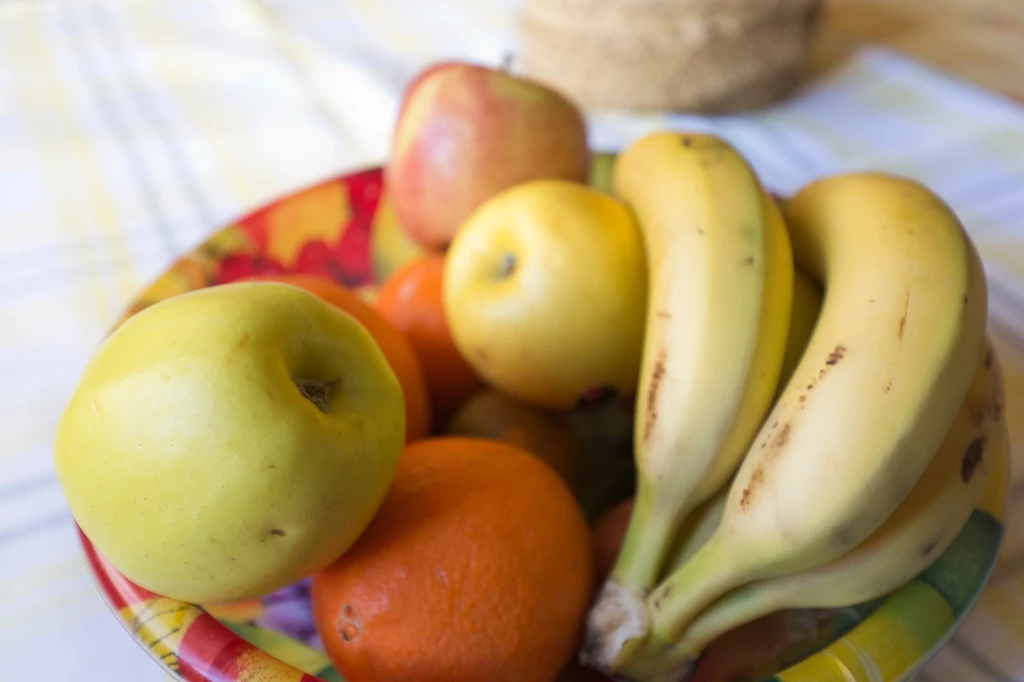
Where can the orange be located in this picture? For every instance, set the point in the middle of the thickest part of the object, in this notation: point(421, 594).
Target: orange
point(478, 566)
point(411, 300)
point(392, 343)
point(494, 415)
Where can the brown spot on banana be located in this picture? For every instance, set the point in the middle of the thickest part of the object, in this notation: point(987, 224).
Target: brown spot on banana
point(651, 413)
point(778, 438)
point(903, 319)
point(972, 458)
point(782, 437)
point(768, 438)
point(836, 355)
point(756, 481)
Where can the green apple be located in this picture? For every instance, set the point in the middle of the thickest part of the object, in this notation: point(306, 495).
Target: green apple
point(227, 442)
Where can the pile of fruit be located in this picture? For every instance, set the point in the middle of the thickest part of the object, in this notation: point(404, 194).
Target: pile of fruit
point(590, 425)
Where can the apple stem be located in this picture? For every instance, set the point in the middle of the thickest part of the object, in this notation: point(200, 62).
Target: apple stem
point(506, 61)
point(316, 392)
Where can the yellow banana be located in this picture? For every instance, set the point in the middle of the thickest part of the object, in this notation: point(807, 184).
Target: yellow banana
point(702, 522)
point(721, 285)
point(917, 533)
point(721, 273)
point(888, 364)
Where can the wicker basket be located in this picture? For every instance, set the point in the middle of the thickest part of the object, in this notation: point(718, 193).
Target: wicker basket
point(699, 56)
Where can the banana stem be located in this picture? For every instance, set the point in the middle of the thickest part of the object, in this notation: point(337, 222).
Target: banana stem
point(673, 660)
point(741, 606)
point(710, 573)
point(650, 537)
point(620, 637)
point(660, 665)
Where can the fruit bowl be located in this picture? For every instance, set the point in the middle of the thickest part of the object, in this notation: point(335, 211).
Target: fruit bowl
point(343, 229)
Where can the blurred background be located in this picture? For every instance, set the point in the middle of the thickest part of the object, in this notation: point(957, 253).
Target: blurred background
point(130, 130)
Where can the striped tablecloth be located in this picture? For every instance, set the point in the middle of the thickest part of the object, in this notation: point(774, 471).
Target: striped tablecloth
point(129, 130)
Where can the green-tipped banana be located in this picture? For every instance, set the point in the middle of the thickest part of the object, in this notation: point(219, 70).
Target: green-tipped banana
point(721, 274)
point(917, 533)
point(887, 367)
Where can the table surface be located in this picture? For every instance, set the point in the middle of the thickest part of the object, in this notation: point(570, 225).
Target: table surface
point(127, 132)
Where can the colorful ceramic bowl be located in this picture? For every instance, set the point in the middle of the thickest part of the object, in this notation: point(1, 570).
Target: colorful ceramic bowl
point(343, 229)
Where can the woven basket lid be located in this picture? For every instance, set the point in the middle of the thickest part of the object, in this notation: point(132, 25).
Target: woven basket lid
point(701, 56)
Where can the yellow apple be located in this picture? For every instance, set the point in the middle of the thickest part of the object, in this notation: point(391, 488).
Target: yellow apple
point(545, 290)
point(227, 442)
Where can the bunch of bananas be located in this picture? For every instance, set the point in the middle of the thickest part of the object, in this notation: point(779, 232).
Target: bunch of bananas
point(819, 405)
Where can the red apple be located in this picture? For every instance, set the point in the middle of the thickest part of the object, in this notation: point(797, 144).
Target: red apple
point(464, 133)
